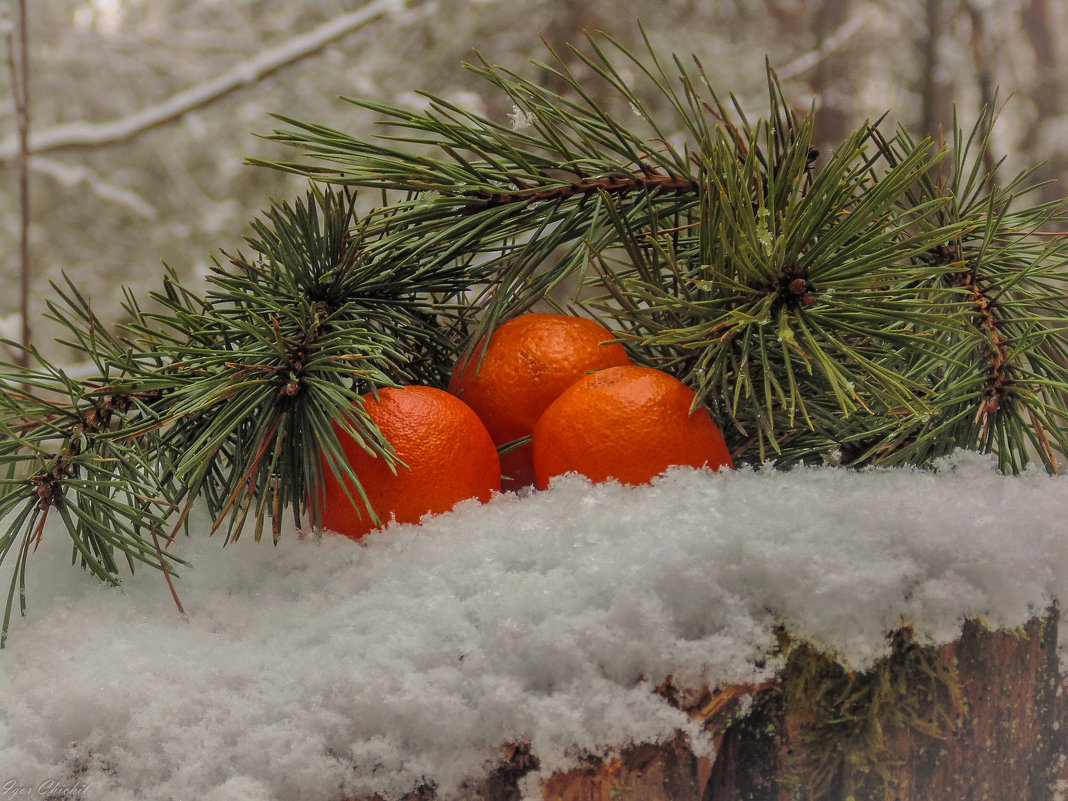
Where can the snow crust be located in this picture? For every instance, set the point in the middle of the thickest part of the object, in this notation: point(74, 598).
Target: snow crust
point(323, 669)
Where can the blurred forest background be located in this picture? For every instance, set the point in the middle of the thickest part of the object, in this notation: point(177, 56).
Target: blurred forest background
point(142, 112)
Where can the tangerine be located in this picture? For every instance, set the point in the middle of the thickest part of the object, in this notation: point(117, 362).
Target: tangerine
point(447, 454)
point(627, 423)
point(529, 361)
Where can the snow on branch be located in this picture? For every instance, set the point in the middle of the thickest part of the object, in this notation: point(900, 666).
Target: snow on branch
point(72, 175)
point(87, 134)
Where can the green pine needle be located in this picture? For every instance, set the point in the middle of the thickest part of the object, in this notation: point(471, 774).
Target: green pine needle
point(886, 303)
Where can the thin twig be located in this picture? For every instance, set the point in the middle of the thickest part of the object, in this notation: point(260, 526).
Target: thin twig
point(997, 388)
point(19, 71)
point(1044, 442)
point(829, 45)
point(656, 182)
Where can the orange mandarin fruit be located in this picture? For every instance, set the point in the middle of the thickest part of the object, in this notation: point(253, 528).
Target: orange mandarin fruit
point(627, 423)
point(447, 454)
point(529, 361)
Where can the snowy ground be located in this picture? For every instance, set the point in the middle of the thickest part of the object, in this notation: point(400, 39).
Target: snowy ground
point(323, 668)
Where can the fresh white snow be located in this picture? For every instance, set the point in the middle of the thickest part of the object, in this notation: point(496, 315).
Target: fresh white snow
point(323, 669)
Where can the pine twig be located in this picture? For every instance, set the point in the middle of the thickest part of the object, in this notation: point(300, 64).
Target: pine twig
point(167, 575)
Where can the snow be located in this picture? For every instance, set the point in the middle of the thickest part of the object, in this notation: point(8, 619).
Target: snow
point(323, 669)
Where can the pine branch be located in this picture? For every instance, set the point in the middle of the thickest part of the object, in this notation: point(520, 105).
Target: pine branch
point(1004, 388)
point(235, 399)
point(526, 197)
point(792, 298)
point(68, 457)
point(784, 301)
point(886, 304)
point(287, 343)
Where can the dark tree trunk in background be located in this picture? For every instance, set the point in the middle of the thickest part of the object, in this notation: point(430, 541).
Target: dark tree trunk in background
point(984, 57)
point(834, 81)
point(568, 25)
point(935, 117)
point(1040, 27)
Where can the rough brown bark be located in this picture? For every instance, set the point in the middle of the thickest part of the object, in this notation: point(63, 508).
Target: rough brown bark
point(1004, 744)
point(749, 763)
point(664, 772)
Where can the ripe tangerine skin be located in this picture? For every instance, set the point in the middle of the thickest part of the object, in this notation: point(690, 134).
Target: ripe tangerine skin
point(450, 457)
point(530, 360)
point(628, 423)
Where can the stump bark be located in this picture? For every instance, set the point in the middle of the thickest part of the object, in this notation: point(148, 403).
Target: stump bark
point(1004, 743)
point(981, 719)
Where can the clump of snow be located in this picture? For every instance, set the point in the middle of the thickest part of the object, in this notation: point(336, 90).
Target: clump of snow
point(323, 669)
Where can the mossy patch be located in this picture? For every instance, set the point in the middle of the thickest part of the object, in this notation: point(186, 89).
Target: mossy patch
point(840, 720)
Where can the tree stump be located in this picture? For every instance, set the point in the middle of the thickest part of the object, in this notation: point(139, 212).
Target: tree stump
point(979, 719)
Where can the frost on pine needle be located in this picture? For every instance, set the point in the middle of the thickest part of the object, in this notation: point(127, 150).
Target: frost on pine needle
point(520, 119)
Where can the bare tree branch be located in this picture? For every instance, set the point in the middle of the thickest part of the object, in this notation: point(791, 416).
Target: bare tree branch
point(85, 134)
point(827, 46)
